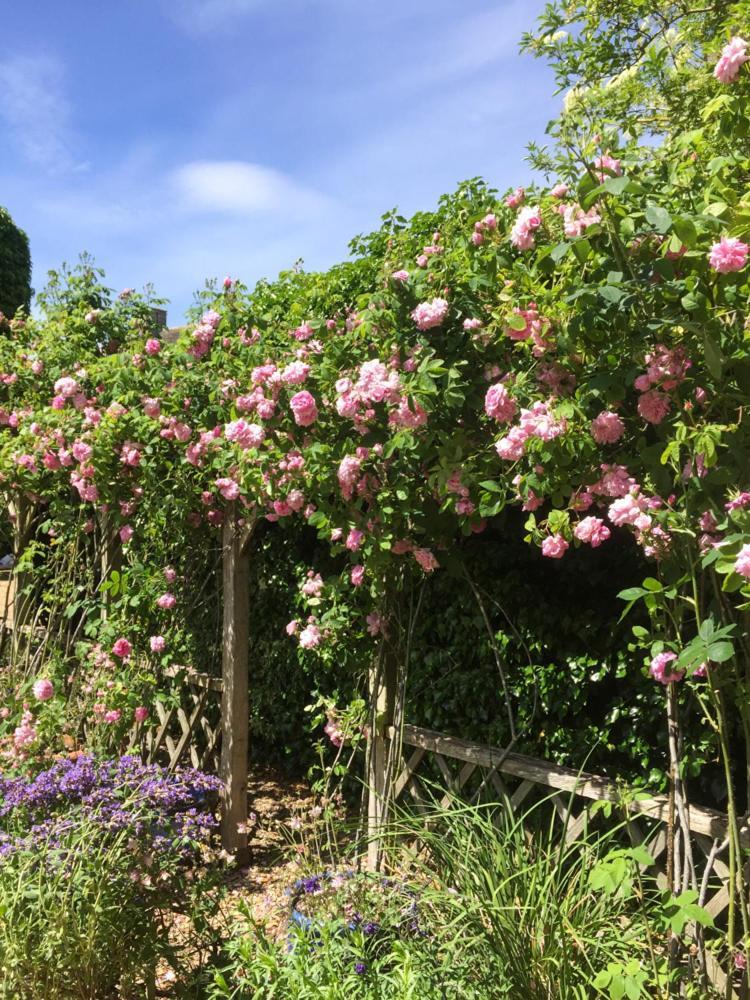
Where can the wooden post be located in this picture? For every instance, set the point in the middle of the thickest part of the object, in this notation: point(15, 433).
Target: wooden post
point(235, 709)
point(382, 687)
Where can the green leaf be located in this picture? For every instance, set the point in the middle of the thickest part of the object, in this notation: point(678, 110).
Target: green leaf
point(714, 357)
point(615, 185)
point(686, 231)
point(558, 252)
point(582, 249)
point(516, 322)
point(659, 218)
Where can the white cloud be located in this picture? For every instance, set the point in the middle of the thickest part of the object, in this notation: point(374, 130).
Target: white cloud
point(242, 188)
point(35, 109)
point(201, 16)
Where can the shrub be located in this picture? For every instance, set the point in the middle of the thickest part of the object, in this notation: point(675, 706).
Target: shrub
point(15, 266)
point(94, 856)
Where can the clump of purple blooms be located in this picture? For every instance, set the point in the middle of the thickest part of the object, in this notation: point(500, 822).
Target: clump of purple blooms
point(165, 812)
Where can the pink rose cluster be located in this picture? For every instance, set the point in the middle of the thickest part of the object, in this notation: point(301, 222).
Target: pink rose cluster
point(728, 255)
point(428, 315)
point(536, 422)
point(244, 434)
point(528, 220)
point(536, 329)
point(666, 369)
point(576, 221)
point(733, 57)
point(204, 333)
point(486, 225)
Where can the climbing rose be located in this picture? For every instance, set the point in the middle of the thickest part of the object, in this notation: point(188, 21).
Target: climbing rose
point(244, 434)
point(166, 601)
point(113, 715)
point(426, 560)
point(400, 275)
point(309, 637)
point(126, 533)
point(516, 198)
point(559, 190)
point(498, 403)
point(742, 563)
point(141, 713)
point(607, 428)
point(733, 55)
point(528, 220)
point(729, 254)
point(304, 409)
point(43, 689)
point(430, 314)
point(592, 530)
point(157, 643)
point(357, 575)
point(660, 671)
point(554, 547)
point(229, 488)
point(153, 346)
point(653, 406)
point(122, 648)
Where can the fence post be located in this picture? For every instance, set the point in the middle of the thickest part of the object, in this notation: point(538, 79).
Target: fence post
point(382, 693)
point(235, 710)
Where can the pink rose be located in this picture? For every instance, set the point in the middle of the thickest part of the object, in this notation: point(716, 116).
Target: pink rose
point(733, 56)
point(426, 560)
point(660, 670)
point(166, 601)
point(229, 488)
point(498, 403)
point(607, 428)
point(43, 689)
point(554, 547)
point(157, 643)
point(430, 314)
point(742, 563)
point(140, 714)
point(122, 648)
point(653, 406)
point(153, 346)
point(304, 409)
point(357, 575)
point(729, 254)
point(592, 530)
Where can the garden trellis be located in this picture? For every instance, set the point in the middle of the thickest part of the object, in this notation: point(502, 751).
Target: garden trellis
point(577, 351)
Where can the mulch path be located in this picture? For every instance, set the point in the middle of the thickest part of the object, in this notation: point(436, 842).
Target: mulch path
point(275, 861)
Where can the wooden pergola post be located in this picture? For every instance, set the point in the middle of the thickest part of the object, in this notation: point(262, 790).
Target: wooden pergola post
point(382, 693)
point(235, 708)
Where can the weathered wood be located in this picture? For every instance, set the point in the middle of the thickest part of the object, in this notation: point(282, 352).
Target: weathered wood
point(235, 709)
point(382, 693)
point(709, 822)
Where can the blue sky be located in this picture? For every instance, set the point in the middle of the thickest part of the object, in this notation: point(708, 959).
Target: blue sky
point(182, 139)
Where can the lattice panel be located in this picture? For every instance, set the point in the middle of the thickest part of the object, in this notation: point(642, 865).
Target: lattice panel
point(189, 731)
point(432, 761)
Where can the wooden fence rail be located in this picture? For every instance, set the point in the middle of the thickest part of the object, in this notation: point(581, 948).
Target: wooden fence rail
point(478, 771)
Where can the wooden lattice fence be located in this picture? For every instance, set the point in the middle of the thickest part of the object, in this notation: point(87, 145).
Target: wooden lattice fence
point(479, 772)
point(189, 729)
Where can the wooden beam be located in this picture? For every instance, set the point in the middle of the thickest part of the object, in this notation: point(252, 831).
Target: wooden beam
point(235, 708)
point(709, 822)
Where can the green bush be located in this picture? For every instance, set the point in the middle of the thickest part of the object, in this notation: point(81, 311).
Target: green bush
point(15, 266)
